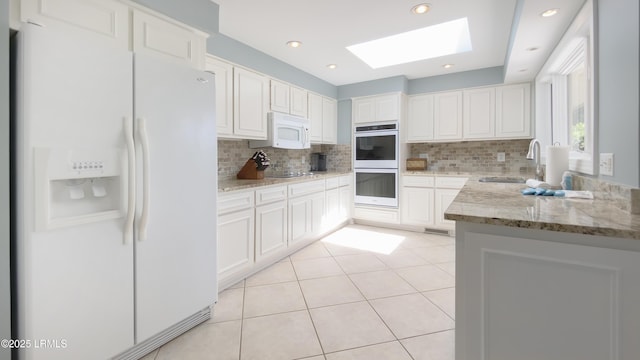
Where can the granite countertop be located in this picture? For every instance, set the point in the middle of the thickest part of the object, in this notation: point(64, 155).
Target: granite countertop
point(232, 184)
point(503, 204)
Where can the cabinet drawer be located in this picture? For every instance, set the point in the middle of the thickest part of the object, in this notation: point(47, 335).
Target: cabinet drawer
point(333, 183)
point(232, 201)
point(417, 181)
point(381, 215)
point(450, 182)
point(309, 187)
point(270, 194)
point(346, 180)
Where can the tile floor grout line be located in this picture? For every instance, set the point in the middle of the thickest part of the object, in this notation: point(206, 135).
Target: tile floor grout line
point(309, 312)
point(333, 256)
point(244, 294)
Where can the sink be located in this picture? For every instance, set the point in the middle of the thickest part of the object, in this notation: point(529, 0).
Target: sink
point(502, 179)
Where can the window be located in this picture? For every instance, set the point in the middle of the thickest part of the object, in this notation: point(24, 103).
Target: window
point(565, 87)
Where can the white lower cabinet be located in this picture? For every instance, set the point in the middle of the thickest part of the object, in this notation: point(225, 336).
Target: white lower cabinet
point(305, 217)
point(424, 199)
point(259, 227)
point(299, 219)
point(417, 206)
point(235, 242)
point(271, 229)
point(346, 202)
point(338, 202)
point(444, 198)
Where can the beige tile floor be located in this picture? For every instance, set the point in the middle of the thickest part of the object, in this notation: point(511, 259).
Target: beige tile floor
point(359, 293)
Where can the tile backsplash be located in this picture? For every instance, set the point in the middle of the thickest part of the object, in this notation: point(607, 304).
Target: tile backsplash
point(233, 154)
point(476, 156)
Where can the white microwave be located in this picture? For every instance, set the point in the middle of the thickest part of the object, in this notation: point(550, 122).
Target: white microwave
point(285, 132)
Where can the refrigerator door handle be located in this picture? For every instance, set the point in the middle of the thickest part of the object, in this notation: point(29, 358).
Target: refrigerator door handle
point(131, 192)
point(144, 141)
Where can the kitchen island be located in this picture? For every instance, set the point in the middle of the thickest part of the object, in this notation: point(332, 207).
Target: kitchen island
point(544, 277)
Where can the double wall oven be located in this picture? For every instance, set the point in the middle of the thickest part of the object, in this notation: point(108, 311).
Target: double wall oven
point(376, 164)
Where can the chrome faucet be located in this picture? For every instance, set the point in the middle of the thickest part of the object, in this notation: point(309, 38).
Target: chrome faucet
point(534, 154)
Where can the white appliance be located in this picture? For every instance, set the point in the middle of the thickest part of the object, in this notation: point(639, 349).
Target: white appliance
point(376, 187)
point(376, 146)
point(375, 163)
point(285, 132)
point(115, 199)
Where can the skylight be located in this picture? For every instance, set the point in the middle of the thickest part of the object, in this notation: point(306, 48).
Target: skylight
point(447, 38)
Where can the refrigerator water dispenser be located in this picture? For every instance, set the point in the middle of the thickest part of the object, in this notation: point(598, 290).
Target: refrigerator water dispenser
point(77, 186)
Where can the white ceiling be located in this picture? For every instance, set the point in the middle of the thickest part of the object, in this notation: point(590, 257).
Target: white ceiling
point(327, 27)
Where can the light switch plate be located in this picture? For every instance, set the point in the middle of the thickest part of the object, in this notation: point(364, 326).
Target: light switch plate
point(501, 157)
point(606, 164)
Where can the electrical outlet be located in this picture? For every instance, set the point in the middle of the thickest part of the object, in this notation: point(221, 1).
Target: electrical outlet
point(424, 156)
point(500, 157)
point(606, 164)
point(303, 159)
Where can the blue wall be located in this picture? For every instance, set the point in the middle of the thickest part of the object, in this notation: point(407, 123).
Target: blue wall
point(5, 279)
point(619, 87)
point(373, 87)
point(201, 14)
point(465, 79)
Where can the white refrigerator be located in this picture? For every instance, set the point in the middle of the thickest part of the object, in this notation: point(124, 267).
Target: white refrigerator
point(115, 197)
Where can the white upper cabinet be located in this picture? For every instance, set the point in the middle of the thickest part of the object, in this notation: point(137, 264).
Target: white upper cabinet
point(323, 115)
point(329, 121)
point(513, 111)
point(108, 19)
point(288, 99)
point(498, 112)
point(250, 104)
point(279, 96)
point(224, 94)
point(315, 117)
point(156, 36)
point(447, 116)
point(125, 24)
point(376, 108)
point(420, 118)
point(388, 107)
point(298, 101)
point(479, 113)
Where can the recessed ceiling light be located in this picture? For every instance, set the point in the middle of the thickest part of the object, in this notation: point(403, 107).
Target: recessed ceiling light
point(447, 66)
point(451, 37)
point(332, 66)
point(533, 48)
point(549, 12)
point(421, 9)
point(294, 43)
